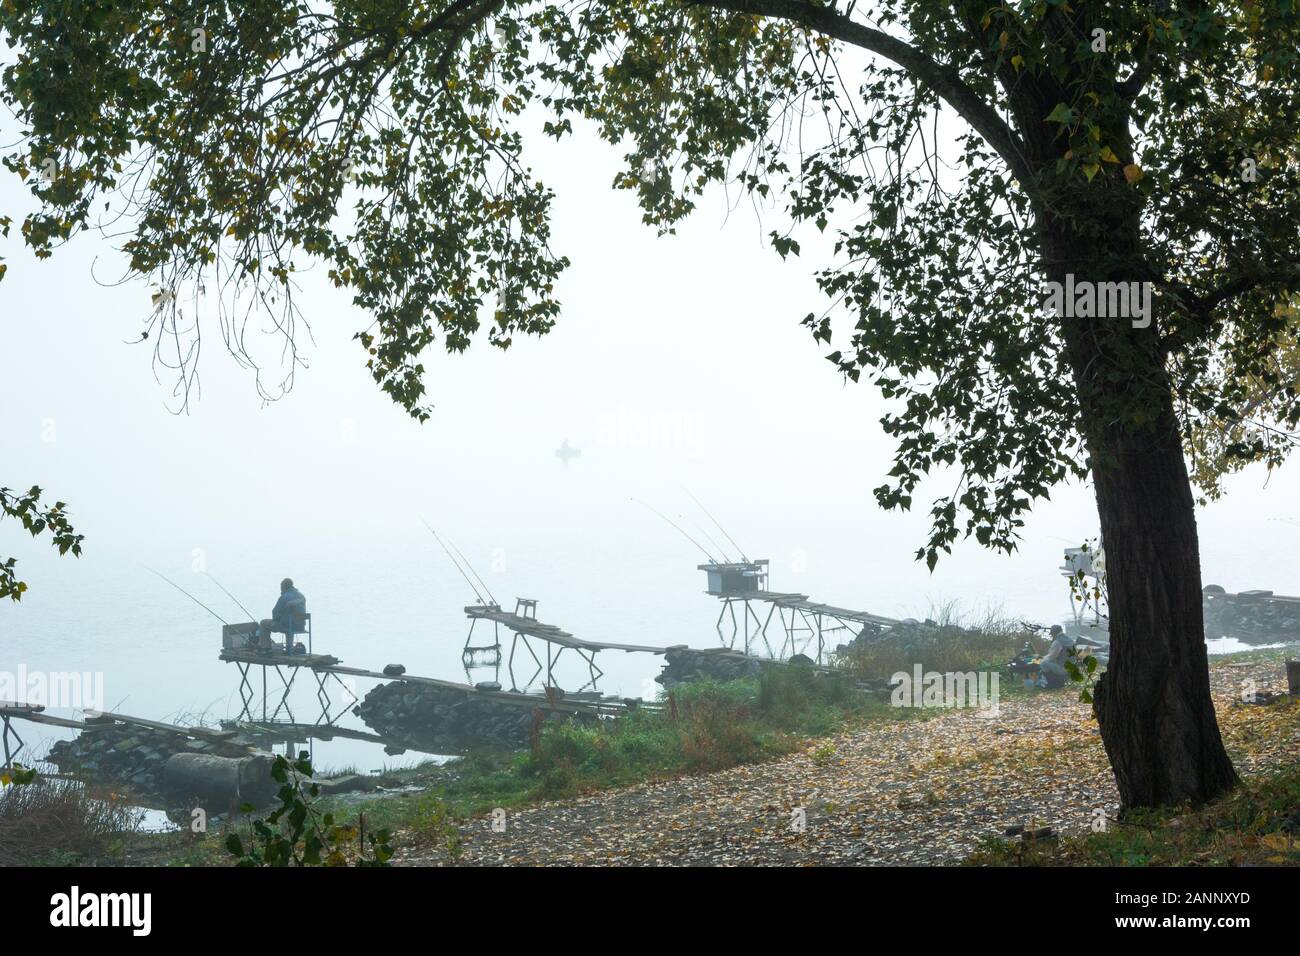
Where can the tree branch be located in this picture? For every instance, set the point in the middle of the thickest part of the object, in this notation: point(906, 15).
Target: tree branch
point(1200, 307)
point(944, 80)
point(1129, 88)
point(1242, 284)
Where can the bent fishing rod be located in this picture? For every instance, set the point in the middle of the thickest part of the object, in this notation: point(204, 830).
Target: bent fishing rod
point(189, 595)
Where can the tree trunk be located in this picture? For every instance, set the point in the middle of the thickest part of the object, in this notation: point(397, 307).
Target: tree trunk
point(1153, 703)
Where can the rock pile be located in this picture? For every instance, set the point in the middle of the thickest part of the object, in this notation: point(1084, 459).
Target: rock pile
point(447, 720)
point(904, 632)
point(132, 757)
point(685, 664)
point(1255, 617)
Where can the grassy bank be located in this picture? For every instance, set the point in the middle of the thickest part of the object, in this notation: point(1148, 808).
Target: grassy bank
point(702, 727)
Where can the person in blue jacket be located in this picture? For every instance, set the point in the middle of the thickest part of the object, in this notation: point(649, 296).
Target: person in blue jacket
point(289, 615)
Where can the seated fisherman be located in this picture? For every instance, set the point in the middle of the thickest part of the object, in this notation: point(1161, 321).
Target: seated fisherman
point(289, 615)
point(1052, 666)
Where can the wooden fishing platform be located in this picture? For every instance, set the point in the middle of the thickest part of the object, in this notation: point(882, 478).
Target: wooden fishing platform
point(531, 627)
point(524, 627)
point(282, 731)
point(803, 622)
point(286, 667)
point(35, 713)
point(206, 734)
point(8, 711)
point(515, 698)
point(325, 667)
point(272, 658)
point(800, 602)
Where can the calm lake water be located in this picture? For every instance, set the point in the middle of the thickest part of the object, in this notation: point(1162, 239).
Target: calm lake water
point(372, 604)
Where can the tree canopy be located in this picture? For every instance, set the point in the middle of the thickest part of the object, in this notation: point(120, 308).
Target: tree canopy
point(226, 145)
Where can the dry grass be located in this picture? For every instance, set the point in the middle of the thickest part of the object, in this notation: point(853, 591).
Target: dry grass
point(948, 641)
point(60, 821)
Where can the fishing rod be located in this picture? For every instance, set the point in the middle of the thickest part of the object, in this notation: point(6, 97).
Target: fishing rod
point(231, 596)
point(454, 561)
point(707, 537)
point(679, 529)
point(473, 572)
point(720, 527)
point(190, 596)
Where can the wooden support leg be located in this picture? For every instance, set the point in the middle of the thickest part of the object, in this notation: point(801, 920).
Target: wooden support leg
point(10, 732)
point(284, 695)
point(246, 692)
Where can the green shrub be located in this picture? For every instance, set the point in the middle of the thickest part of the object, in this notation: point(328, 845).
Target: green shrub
point(434, 821)
point(702, 726)
point(824, 755)
point(300, 832)
point(716, 726)
point(799, 697)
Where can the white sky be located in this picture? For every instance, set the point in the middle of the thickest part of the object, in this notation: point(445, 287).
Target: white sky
point(677, 361)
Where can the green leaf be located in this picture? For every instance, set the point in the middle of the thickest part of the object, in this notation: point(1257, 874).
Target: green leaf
point(1061, 114)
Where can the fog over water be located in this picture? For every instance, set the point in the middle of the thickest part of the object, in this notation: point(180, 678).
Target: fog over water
point(678, 364)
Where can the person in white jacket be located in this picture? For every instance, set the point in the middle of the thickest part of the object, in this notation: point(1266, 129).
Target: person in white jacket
point(1051, 668)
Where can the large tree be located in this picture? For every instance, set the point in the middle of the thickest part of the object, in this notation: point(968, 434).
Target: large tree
point(961, 154)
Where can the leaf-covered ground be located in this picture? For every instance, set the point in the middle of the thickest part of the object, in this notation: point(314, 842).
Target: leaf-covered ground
point(906, 792)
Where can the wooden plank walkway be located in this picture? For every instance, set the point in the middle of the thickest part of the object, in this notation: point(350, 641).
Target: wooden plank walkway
point(316, 663)
point(198, 733)
point(531, 627)
point(274, 658)
point(800, 602)
point(34, 714)
point(318, 731)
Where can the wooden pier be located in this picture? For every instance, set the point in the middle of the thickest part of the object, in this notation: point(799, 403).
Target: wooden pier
point(524, 628)
point(286, 668)
point(35, 713)
point(803, 622)
point(324, 667)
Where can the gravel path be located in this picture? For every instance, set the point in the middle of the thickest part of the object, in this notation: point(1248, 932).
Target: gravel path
point(908, 792)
